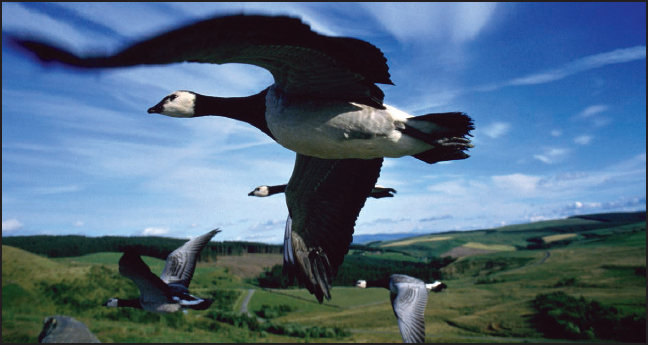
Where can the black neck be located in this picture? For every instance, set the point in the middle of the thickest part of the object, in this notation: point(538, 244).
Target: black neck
point(132, 303)
point(383, 283)
point(276, 189)
point(250, 109)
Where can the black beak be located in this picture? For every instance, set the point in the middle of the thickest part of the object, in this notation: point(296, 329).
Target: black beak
point(251, 193)
point(156, 109)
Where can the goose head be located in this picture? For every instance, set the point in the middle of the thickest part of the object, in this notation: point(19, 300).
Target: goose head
point(361, 284)
point(178, 104)
point(113, 302)
point(260, 191)
point(437, 286)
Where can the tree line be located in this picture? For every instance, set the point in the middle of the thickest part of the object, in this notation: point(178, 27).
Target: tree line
point(158, 247)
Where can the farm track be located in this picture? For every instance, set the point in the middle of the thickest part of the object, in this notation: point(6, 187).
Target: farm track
point(547, 255)
point(246, 301)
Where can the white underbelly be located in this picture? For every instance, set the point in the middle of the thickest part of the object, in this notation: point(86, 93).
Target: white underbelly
point(334, 130)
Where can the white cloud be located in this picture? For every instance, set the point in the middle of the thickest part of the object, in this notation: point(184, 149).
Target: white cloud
point(154, 231)
point(11, 225)
point(517, 182)
point(496, 129)
point(583, 139)
point(78, 223)
point(584, 64)
point(552, 155)
point(593, 110)
point(556, 133)
point(593, 115)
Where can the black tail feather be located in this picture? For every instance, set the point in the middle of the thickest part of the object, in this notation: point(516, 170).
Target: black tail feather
point(447, 132)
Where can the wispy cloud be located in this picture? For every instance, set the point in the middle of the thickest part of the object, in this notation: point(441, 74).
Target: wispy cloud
point(623, 55)
point(552, 155)
point(154, 231)
point(594, 115)
point(433, 219)
point(517, 182)
point(593, 110)
point(583, 139)
point(10, 225)
point(439, 21)
point(589, 62)
point(627, 204)
point(496, 129)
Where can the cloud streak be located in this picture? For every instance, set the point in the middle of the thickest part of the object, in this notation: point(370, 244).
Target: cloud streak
point(587, 63)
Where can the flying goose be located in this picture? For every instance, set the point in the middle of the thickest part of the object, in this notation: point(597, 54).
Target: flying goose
point(324, 105)
point(324, 101)
point(377, 191)
point(408, 297)
point(170, 292)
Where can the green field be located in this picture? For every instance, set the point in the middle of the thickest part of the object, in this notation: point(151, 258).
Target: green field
point(488, 298)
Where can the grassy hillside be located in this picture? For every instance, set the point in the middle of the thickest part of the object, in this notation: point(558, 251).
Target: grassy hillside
point(489, 296)
point(537, 235)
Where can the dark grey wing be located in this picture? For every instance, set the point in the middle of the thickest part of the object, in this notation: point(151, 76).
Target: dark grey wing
point(409, 307)
point(324, 198)
point(181, 263)
point(151, 287)
point(301, 60)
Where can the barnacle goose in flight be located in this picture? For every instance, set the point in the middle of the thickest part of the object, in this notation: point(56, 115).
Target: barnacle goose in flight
point(168, 293)
point(408, 297)
point(324, 105)
point(377, 191)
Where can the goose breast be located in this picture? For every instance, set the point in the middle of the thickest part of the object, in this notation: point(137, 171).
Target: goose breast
point(334, 129)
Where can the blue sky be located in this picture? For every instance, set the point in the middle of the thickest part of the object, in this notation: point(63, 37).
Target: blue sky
point(557, 92)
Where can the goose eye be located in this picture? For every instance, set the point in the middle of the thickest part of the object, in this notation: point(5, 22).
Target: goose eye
point(172, 97)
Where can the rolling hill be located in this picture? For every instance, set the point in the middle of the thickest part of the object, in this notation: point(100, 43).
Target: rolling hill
point(495, 276)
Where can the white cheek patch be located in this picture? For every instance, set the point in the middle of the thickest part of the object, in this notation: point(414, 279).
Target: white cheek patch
point(182, 106)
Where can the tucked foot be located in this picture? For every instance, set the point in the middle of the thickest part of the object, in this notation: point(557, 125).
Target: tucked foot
point(455, 142)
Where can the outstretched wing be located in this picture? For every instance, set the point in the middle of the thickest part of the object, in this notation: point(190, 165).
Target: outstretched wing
point(181, 263)
point(301, 60)
point(324, 198)
point(151, 287)
point(409, 307)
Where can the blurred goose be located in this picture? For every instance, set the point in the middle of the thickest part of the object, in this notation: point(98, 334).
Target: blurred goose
point(408, 297)
point(324, 105)
point(377, 191)
point(65, 329)
point(168, 293)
